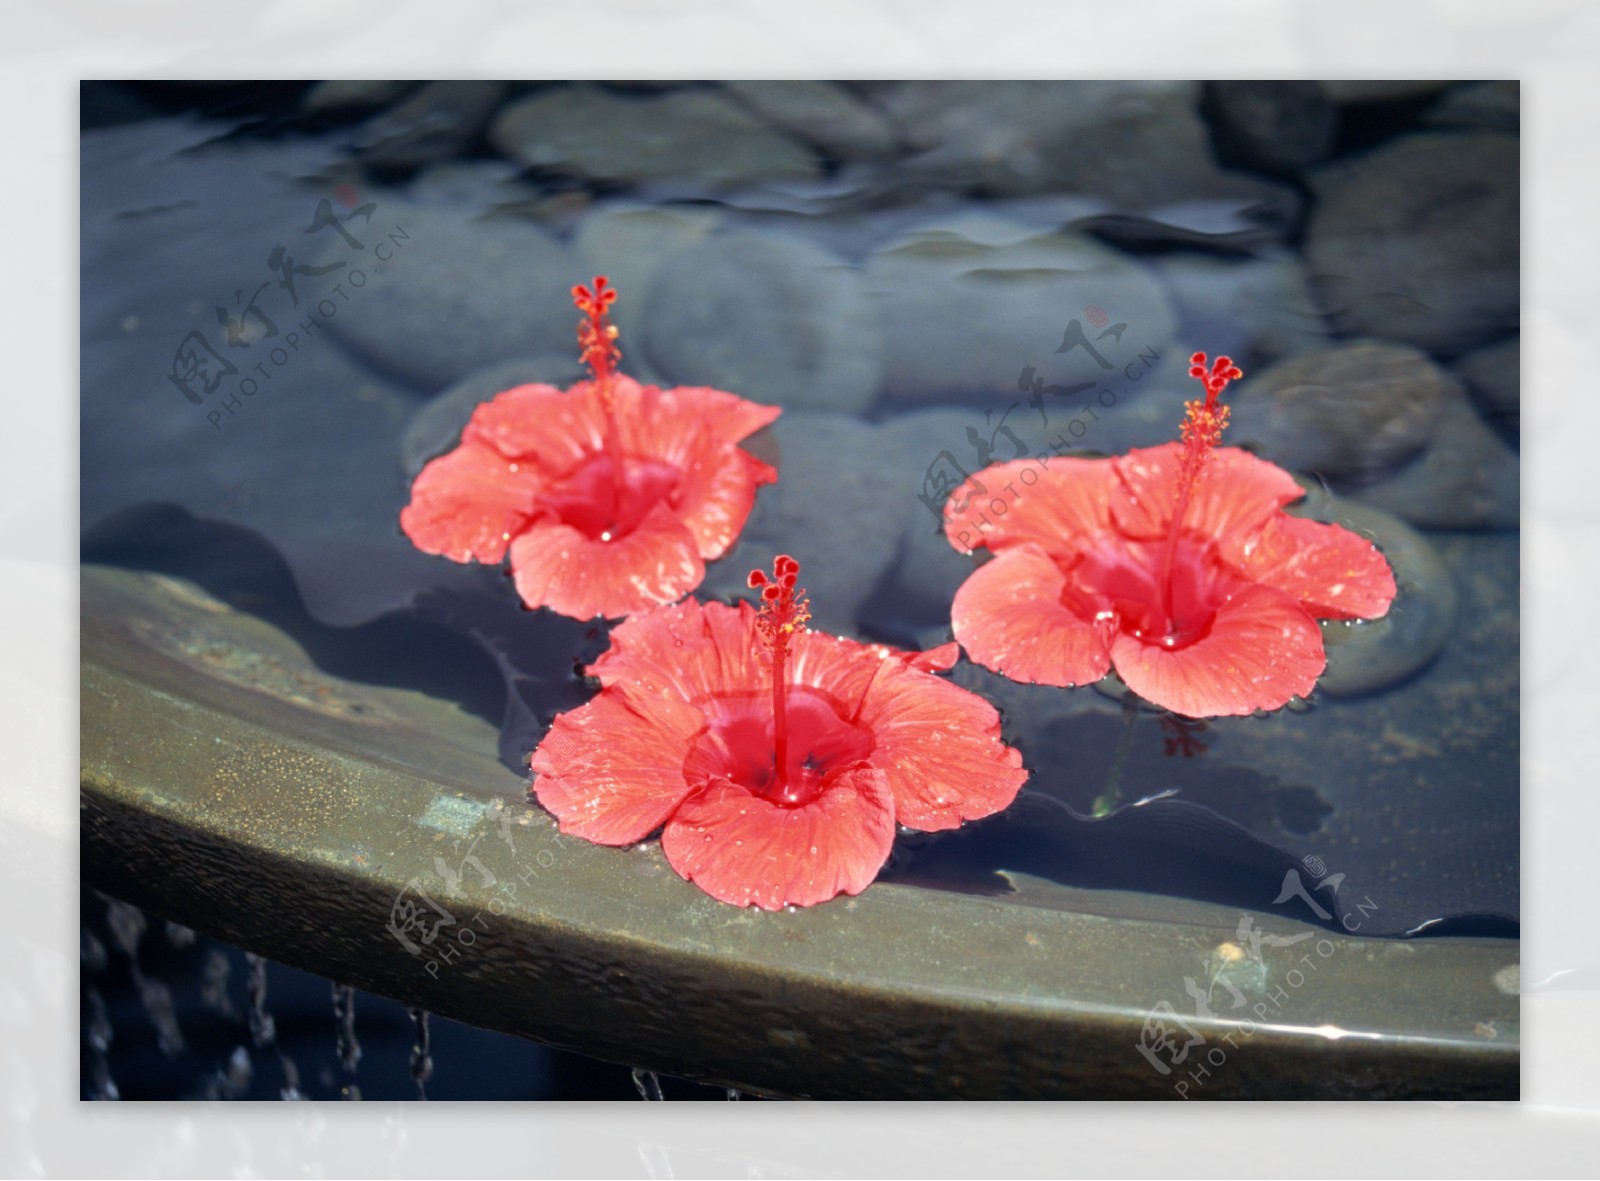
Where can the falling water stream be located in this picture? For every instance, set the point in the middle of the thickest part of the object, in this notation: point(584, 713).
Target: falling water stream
point(421, 1053)
point(97, 1032)
point(649, 1085)
point(174, 1008)
point(349, 1049)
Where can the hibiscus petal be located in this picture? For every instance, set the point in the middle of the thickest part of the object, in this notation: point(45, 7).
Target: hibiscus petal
point(694, 651)
point(1009, 617)
point(1334, 573)
point(674, 425)
point(742, 849)
point(687, 652)
point(940, 747)
point(551, 429)
point(1234, 497)
point(839, 667)
point(605, 769)
point(469, 503)
point(1262, 650)
point(935, 660)
point(559, 567)
point(725, 418)
point(717, 492)
point(1057, 505)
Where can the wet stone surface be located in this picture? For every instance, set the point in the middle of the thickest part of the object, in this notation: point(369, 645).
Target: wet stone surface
point(1253, 309)
point(1274, 126)
point(1349, 411)
point(1480, 106)
point(440, 121)
point(810, 342)
point(1417, 241)
point(1467, 479)
point(346, 95)
point(1031, 137)
point(827, 114)
point(469, 292)
point(695, 138)
point(830, 509)
point(1493, 377)
point(1385, 425)
point(968, 302)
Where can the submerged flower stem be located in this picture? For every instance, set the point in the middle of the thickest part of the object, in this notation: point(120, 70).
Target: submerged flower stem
point(597, 341)
point(783, 612)
point(1107, 801)
point(1202, 429)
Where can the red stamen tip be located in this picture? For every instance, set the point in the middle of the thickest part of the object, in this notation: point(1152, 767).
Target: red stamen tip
point(596, 337)
point(783, 609)
point(1215, 379)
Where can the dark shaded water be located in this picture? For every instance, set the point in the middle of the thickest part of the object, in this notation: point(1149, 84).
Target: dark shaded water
point(899, 276)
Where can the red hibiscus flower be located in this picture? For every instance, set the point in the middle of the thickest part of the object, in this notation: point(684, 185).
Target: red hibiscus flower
point(1175, 565)
point(777, 761)
point(611, 496)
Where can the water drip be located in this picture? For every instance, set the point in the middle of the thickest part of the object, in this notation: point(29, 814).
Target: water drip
point(214, 983)
point(128, 925)
point(232, 1080)
point(156, 998)
point(344, 1013)
point(421, 1056)
point(263, 1030)
point(91, 951)
point(100, 1035)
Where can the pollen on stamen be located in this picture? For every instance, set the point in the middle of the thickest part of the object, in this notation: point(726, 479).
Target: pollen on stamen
point(783, 609)
point(597, 336)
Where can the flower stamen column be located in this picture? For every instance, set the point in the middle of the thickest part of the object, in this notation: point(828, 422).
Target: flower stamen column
point(783, 612)
point(597, 343)
point(1203, 424)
